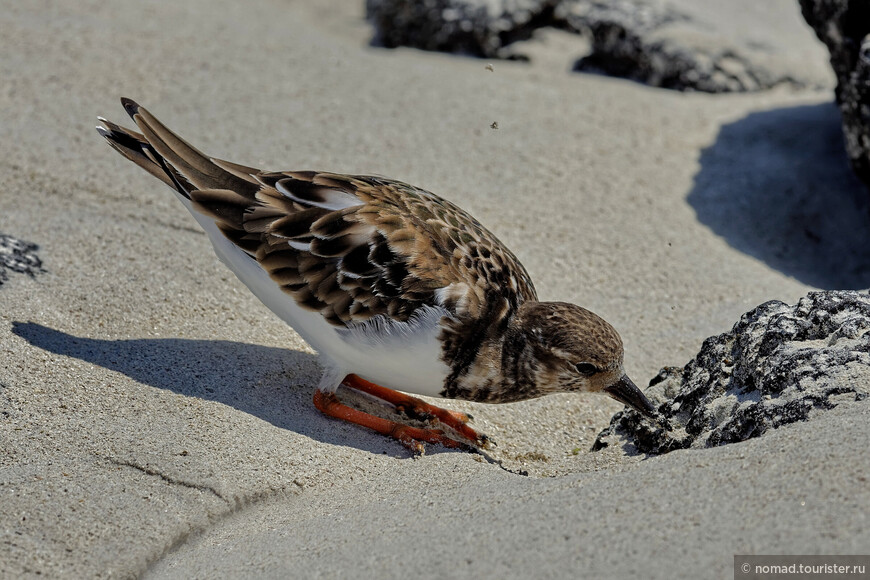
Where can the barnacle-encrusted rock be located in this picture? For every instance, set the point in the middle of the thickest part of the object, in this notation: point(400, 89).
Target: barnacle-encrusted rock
point(778, 365)
point(18, 256)
point(844, 26)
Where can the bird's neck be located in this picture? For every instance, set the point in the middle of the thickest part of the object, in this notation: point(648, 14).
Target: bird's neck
point(490, 366)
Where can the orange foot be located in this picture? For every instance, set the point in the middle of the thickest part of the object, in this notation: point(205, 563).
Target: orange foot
point(411, 437)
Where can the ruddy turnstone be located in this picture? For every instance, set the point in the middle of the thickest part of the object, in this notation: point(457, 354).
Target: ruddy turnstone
point(397, 288)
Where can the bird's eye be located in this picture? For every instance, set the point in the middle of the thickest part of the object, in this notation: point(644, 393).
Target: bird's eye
point(586, 369)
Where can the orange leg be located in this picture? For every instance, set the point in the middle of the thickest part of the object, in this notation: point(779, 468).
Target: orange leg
point(410, 437)
point(418, 409)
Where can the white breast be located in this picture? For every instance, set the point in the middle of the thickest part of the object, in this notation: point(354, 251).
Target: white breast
point(399, 355)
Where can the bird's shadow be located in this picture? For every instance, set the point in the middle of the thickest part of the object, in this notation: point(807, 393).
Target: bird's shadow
point(777, 186)
point(273, 384)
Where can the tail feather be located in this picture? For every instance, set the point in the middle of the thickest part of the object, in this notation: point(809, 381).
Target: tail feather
point(197, 167)
point(172, 160)
point(240, 171)
point(134, 147)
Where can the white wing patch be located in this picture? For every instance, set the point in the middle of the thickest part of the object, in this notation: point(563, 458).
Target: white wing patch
point(301, 246)
point(454, 297)
point(323, 197)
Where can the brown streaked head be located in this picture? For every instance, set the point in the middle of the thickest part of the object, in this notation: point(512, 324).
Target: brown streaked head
point(577, 350)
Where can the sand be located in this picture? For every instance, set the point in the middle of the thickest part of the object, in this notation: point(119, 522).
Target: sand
point(156, 419)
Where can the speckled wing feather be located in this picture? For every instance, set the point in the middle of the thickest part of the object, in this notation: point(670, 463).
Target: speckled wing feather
point(355, 247)
point(349, 247)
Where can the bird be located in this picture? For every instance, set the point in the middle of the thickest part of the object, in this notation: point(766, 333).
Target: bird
point(399, 290)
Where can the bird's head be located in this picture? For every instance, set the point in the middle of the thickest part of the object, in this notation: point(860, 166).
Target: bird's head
point(576, 350)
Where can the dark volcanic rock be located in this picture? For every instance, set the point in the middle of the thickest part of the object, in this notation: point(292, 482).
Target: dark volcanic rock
point(844, 26)
point(476, 27)
point(704, 45)
point(778, 365)
point(18, 256)
point(622, 47)
point(669, 45)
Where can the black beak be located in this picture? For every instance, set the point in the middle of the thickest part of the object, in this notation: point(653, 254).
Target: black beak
point(627, 392)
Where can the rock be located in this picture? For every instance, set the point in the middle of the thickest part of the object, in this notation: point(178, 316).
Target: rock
point(18, 256)
point(844, 26)
point(778, 365)
point(706, 45)
point(476, 27)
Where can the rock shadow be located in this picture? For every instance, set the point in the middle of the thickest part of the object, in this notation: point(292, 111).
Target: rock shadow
point(777, 186)
point(273, 384)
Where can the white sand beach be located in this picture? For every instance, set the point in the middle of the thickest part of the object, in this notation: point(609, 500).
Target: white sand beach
point(156, 419)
